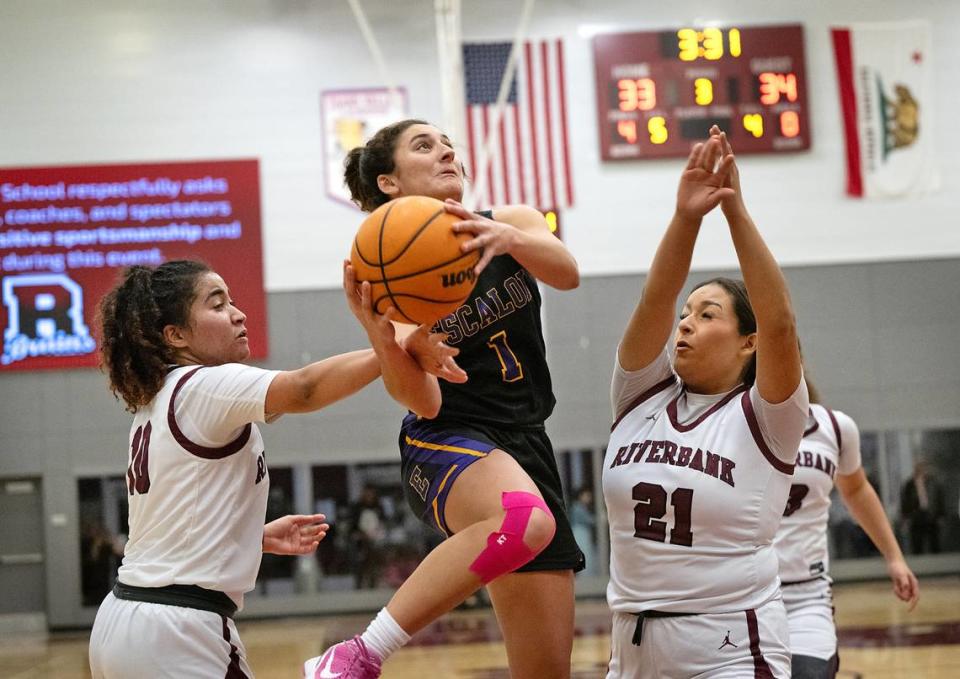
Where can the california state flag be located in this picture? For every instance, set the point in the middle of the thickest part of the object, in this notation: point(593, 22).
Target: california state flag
point(886, 95)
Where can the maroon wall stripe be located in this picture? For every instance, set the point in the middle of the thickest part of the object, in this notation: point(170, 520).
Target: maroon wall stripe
point(207, 453)
point(761, 670)
point(778, 464)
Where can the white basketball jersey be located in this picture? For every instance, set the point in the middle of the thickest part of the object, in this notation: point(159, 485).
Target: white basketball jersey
point(830, 444)
point(694, 493)
point(197, 481)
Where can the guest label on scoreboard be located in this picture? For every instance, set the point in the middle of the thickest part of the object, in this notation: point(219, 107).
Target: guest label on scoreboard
point(658, 92)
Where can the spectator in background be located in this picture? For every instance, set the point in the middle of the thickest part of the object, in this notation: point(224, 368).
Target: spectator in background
point(921, 504)
point(367, 534)
point(100, 554)
point(584, 524)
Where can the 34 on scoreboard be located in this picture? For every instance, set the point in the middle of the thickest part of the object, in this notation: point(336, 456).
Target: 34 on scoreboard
point(660, 91)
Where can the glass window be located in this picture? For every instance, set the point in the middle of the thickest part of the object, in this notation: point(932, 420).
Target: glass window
point(846, 538)
point(916, 474)
point(276, 576)
point(374, 541)
point(103, 533)
point(926, 472)
point(581, 496)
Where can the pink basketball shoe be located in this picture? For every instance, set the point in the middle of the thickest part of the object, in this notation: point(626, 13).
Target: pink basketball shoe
point(349, 659)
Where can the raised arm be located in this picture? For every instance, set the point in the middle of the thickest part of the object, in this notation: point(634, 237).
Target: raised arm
point(701, 189)
point(325, 382)
point(778, 352)
point(320, 384)
point(523, 233)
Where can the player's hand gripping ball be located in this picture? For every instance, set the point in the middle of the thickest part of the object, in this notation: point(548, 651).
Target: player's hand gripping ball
point(409, 253)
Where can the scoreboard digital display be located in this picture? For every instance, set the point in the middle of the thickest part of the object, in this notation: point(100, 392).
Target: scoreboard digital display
point(658, 92)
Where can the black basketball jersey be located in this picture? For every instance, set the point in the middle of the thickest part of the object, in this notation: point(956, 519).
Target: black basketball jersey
point(500, 338)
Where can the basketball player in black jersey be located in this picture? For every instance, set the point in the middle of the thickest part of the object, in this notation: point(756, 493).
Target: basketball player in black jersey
point(483, 472)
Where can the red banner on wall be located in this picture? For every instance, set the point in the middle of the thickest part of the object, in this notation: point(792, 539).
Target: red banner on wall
point(66, 232)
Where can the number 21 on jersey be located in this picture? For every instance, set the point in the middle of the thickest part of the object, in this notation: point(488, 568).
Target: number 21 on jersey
point(510, 367)
point(652, 505)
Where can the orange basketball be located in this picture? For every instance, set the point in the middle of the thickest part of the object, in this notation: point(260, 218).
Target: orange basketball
point(411, 256)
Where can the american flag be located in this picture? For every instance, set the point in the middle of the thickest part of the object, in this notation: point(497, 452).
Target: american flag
point(529, 157)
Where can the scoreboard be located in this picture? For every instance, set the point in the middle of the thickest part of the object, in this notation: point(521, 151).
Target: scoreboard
point(658, 92)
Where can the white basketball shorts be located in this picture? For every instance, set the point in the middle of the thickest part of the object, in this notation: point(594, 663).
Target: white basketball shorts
point(139, 639)
point(810, 615)
point(743, 644)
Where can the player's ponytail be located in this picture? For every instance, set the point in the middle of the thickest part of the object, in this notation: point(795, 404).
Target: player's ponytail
point(746, 320)
point(132, 317)
point(365, 163)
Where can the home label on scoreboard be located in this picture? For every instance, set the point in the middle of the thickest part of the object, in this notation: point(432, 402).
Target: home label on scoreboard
point(658, 92)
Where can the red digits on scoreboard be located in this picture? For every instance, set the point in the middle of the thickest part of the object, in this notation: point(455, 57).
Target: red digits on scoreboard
point(637, 95)
point(789, 123)
point(628, 130)
point(772, 85)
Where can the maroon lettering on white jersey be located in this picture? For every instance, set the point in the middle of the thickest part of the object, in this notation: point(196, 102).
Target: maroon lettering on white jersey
point(801, 539)
point(695, 488)
point(199, 481)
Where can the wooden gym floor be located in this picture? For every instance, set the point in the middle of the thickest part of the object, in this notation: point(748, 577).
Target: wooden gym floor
point(878, 640)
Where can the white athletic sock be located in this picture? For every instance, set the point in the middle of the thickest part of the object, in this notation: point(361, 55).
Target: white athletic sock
point(384, 636)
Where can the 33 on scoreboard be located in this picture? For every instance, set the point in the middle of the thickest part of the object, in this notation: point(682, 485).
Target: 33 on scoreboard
point(660, 91)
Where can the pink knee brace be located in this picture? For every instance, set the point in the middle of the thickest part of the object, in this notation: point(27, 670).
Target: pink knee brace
point(505, 551)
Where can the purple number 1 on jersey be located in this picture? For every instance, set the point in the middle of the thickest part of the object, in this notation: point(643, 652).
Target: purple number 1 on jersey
point(510, 367)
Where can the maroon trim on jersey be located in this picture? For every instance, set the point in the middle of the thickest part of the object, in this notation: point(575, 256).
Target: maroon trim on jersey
point(648, 394)
point(814, 426)
point(761, 670)
point(836, 430)
point(234, 671)
point(672, 409)
point(778, 464)
point(207, 453)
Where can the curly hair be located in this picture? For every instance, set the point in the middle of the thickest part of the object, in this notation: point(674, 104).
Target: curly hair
point(131, 320)
point(365, 163)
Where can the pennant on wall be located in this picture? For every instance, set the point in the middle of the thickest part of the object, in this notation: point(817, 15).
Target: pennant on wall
point(350, 118)
point(884, 72)
point(529, 159)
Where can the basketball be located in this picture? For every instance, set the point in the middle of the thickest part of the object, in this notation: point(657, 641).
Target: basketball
point(409, 253)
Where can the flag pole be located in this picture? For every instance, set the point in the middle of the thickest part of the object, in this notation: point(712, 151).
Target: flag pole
point(450, 53)
point(374, 48)
point(480, 172)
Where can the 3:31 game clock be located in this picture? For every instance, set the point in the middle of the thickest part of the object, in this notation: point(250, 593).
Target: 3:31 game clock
point(660, 91)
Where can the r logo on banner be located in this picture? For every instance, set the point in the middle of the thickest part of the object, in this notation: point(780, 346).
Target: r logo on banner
point(45, 318)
